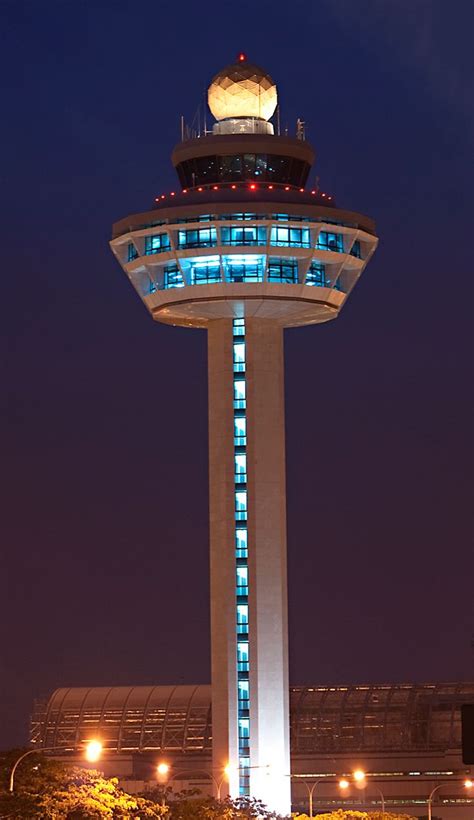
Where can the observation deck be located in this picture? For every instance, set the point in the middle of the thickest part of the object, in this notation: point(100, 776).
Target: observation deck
point(237, 252)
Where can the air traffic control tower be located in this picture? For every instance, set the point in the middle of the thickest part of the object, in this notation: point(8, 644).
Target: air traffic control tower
point(244, 251)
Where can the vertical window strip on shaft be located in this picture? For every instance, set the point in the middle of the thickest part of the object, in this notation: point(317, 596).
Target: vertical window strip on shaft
point(241, 554)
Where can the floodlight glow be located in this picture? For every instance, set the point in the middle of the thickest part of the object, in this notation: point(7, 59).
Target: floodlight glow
point(93, 751)
point(358, 775)
point(162, 769)
point(344, 784)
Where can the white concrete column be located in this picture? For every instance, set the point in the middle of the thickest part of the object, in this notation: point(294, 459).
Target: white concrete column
point(266, 524)
point(269, 686)
point(222, 552)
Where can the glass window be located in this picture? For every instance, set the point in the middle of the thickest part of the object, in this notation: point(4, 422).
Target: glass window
point(132, 252)
point(239, 356)
point(246, 216)
point(243, 687)
point(240, 430)
point(159, 243)
point(172, 277)
point(200, 218)
point(316, 275)
point(239, 394)
point(197, 238)
point(240, 468)
point(205, 270)
point(240, 501)
point(355, 250)
point(238, 235)
point(244, 268)
point(290, 237)
point(328, 241)
point(241, 543)
point(244, 727)
point(283, 271)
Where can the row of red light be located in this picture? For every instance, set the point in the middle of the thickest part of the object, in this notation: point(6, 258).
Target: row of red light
point(251, 187)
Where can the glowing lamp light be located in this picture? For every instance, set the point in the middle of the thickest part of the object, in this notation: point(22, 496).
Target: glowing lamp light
point(358, 774)
point(172, 193)
point(199, 189)
point(313, 192)
point(344, 784)
point(242, 57)
point(252, 187)
point(215, 187)
point(162, 769)
point(185, 190)
point(270, 187)
point(287, 187)
point(93, 751)
point(233, 187)
point(301, 190)
point(229, 770)
point(468, 783)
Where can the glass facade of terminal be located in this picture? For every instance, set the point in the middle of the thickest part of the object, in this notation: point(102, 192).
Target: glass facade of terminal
point(243, 168)
point(241, 553)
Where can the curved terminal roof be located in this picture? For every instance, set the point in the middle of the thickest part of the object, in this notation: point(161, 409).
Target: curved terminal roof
point(338, 719)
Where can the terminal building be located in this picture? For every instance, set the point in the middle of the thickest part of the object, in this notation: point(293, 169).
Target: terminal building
point(406, 737)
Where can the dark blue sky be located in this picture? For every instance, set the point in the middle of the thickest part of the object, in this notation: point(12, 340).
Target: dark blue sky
point(104, 567)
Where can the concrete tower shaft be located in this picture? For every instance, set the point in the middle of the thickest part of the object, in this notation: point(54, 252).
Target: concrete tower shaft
point(248, 556)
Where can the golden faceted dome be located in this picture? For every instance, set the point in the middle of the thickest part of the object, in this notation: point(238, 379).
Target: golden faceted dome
point(242, 90)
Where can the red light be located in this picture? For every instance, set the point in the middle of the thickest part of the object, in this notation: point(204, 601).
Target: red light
point(172, 193)
point(157, 198)
point(241, 58)
point(233, 186)
point(313, 192)
point(270, 187)
point(329, 197)
point(215, 187)
point(301, 190)
point(162, 196)
point(185, 190)
point(199, 189)
point(323, 194)
point(287, 187)
point(252, 187)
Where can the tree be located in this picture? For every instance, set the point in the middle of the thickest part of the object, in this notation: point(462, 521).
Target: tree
point(48, 789)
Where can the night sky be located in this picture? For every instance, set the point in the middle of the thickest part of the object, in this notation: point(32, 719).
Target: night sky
point(104, 533)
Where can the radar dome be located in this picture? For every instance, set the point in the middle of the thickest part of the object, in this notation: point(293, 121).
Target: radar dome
point(242, 90)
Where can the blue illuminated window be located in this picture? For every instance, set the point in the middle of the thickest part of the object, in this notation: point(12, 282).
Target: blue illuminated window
point(238, 235)
point(172, 277)
point(316, 275)
point(240, 505)
point(198, 238)
point(290, 218)
point(247, 216)
point(239, 394)
point(284, 271)
point(242, 589)
point(290, 237)
point(239, 327)
point(330, 242)
point(244, 727)
point(158, 243)
point(243, 687)
point(240, 468)
point(205, 271)
point(239, 357)
point(240, 431)
point(241, 543)
point(355, 250)
point(132, 252)
point(244, 268)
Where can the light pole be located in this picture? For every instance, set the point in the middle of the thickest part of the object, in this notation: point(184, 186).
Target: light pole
point(310, 787)
point(468, 784)
point(360, 778)
point(93, 752)
point(163, 770)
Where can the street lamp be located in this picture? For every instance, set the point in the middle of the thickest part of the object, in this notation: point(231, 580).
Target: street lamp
point(163, 770)
point(310, 787)
point(468, 784)
point(92, 753)
point(360, 778)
